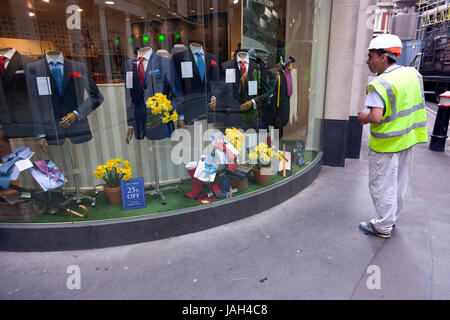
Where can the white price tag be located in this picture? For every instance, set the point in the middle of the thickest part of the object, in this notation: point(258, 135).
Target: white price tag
point(186, 70)
point(129, 80)
point(253, 88)
point(43, 84)
point(230, 75)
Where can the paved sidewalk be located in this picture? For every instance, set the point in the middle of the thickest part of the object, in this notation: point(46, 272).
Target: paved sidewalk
point(309, 247)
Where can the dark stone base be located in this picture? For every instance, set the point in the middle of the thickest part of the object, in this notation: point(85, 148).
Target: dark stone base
point(341, 140)
point(110, 233)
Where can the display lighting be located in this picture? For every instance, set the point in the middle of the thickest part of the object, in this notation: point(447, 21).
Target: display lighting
point(31, 14)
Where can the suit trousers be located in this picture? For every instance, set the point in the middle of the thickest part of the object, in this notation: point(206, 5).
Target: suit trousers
point(389, 174)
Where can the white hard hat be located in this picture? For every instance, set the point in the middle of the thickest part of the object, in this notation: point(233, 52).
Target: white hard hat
point(388, 42)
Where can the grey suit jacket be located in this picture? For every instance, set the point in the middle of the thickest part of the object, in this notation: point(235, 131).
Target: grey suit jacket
point(48, 110)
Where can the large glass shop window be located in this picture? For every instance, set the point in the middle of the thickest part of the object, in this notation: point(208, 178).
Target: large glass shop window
point(186, 99)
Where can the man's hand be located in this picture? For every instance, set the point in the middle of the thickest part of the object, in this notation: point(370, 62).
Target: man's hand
point(374, 116)
point(246, 106)
point(212, 103)
point(68, 120)
point(44, 145)
point(129, 135)
point(362, 117)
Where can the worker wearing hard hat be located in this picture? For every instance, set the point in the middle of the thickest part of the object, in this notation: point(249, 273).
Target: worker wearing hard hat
point(398, 121)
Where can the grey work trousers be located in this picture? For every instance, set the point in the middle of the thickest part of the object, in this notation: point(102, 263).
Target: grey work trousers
point(389, 174)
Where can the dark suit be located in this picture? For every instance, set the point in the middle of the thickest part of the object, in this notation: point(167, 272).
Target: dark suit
point(197, 93)
point(160, 77)
point(277, 111)
point(15, 113)
point(232, 95)
point(49, 110)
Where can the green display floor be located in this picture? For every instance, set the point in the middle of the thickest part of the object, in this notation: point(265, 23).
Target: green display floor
point(175, 201)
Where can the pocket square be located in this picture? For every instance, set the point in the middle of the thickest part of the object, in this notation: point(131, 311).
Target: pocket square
point(75, 75)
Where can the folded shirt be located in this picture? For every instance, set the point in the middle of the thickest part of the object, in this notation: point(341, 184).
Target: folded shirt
point(47, 175)
point(8, 170)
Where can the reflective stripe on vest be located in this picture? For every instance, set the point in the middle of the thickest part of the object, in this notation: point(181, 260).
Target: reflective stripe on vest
point(404, 120)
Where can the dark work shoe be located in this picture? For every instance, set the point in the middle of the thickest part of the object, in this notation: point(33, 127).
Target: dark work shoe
point(368, 228)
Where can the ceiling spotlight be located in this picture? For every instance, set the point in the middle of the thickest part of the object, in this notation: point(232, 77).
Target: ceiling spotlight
point(46, 1)
point(235, 1)
point(31, 14)
point(211, 9)
point(109, 2)
point(158, 16)
point(80, 10)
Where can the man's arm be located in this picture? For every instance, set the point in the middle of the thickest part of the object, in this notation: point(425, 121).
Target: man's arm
point(374, 116)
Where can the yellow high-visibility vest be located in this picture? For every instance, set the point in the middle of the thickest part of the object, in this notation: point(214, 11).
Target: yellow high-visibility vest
point(404, 121)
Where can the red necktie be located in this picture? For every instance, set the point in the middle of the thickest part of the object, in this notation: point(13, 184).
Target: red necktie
point(141, 70)
point(2, 65)
point(243, 70)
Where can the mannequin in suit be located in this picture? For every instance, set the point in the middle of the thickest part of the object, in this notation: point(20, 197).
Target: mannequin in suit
point(15, 114)
point(158, 76)
point(68, 81)
point(198, 88)
point(237, 105)
point(275, 101)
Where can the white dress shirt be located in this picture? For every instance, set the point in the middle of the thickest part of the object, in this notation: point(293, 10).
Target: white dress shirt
point(8, 57)
point(246, 60)
point(247, 64)
point(147, 57)
point(194, 50)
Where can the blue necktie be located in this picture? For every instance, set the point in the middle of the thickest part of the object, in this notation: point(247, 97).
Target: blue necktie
point(57, 74)
point(200, 65)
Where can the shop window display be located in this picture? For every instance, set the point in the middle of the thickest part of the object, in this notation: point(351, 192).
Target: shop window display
point(242, 82)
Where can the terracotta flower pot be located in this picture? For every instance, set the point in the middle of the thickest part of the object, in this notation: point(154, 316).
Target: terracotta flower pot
point(114, 195)
point(262, 176)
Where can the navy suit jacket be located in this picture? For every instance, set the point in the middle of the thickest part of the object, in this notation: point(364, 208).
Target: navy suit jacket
point(197, 93)
point(160, 77)
point(232, 95)
point(48, 111)
point(15, 113)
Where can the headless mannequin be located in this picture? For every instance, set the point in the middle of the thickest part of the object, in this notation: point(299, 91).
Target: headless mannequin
point(67, 120)
point(4, 51)
point(243, 55)
point(199, 47)
point(142, 52)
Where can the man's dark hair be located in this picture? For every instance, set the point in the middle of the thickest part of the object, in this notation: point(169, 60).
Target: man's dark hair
point(380, 52)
